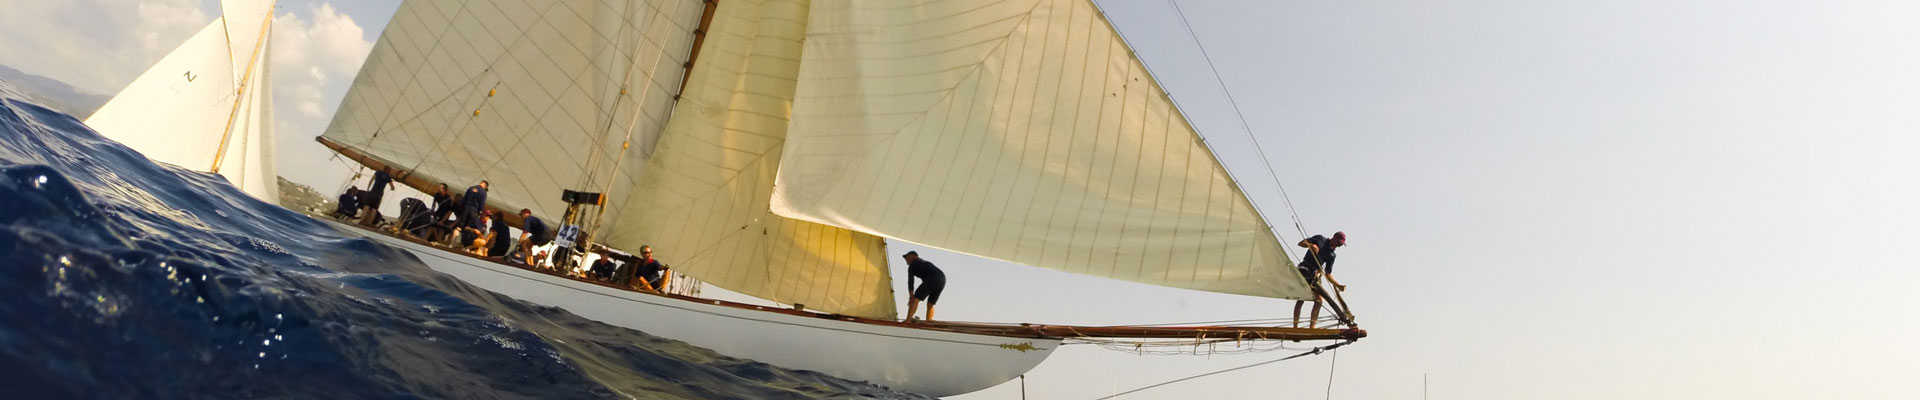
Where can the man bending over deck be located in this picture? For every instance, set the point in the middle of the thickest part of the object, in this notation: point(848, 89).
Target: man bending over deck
point(932, 283)
point(533, 232)
point(348, 205)
point(1319, 260)
point(473, 202)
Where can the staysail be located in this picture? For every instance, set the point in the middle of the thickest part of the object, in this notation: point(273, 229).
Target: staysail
point(536, 97)
point(1021, 130)
point(704, 196)
point(207, 105)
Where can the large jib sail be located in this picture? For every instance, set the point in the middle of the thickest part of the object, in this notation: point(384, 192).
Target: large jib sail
point(535, 96)
point(704, 197)
point(1021, 130)
point(206, 106)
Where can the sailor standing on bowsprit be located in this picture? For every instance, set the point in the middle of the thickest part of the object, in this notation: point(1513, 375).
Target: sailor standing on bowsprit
point(932, 282)
point(1318, 262)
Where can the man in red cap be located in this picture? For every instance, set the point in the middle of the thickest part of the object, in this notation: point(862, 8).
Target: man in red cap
point(1319, 261)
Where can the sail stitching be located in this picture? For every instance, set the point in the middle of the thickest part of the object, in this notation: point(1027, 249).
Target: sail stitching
point(975, 70)
point(1251, 267)
point(1025, 136)
point(1047, 149)
point(633, 121)
point(1258, 149)
point(413, 76)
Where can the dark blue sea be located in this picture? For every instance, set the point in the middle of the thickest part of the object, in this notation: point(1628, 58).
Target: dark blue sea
point(122, 278)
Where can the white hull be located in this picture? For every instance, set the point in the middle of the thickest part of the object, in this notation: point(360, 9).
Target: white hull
point(921, 361)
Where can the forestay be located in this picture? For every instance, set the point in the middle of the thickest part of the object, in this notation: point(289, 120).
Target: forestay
point(206, 105)
point(536, 97)
point(703, 202)
point(1021, 130)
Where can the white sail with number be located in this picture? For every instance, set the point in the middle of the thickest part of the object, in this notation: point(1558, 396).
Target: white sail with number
point(207, 105)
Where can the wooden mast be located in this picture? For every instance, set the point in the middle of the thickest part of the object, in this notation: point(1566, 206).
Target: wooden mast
point(699, 39)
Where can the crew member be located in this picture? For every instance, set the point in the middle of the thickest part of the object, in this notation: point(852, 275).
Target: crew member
point(472, 203)
point(382, 180)
point(477, 234)
point(1319, 261)
point(348, 204)
point(652, 275)
point(500, 234)
point(932, 282)
point(442, 207)
point(533, 233)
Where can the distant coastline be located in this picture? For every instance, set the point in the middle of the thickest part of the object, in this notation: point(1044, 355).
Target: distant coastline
point(53, 93)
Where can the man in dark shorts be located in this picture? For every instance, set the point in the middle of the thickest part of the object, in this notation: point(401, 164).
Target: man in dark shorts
point(472, 203)
point(1318, 262)
point(382, 180)
point(442, 207)
point(501, 235)
point(933, 281)
point(533, 232)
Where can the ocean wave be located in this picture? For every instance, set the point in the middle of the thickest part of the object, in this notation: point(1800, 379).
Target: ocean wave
point(123, 278)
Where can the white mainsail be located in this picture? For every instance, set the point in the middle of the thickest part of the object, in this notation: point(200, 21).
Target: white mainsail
point(535, 96)
point(704, 197)
point(1021, 130)
point(206, 106)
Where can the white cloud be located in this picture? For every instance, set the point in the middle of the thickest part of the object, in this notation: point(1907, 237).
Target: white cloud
point(316, 54)
point(95, 45)
point(309, 54)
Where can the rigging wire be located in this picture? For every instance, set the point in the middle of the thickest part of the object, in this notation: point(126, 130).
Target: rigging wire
point(1301, 227)
point(1330, 364)
point(1316, 350)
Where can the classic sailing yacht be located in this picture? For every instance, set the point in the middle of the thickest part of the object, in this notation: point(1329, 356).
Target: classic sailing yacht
point(207, 105)
point(773, 146)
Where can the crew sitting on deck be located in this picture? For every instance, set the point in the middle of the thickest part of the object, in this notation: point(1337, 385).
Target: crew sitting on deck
point(477, 234)
point(653, 276)
point(602, 269)
point(349, 203)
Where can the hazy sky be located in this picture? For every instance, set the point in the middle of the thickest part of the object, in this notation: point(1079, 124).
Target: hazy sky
point(1565, 200)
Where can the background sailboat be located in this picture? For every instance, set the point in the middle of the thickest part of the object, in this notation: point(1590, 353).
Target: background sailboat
point(206, 106)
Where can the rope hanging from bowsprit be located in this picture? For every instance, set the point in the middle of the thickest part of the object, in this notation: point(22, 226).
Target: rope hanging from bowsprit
point(1316, 350)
